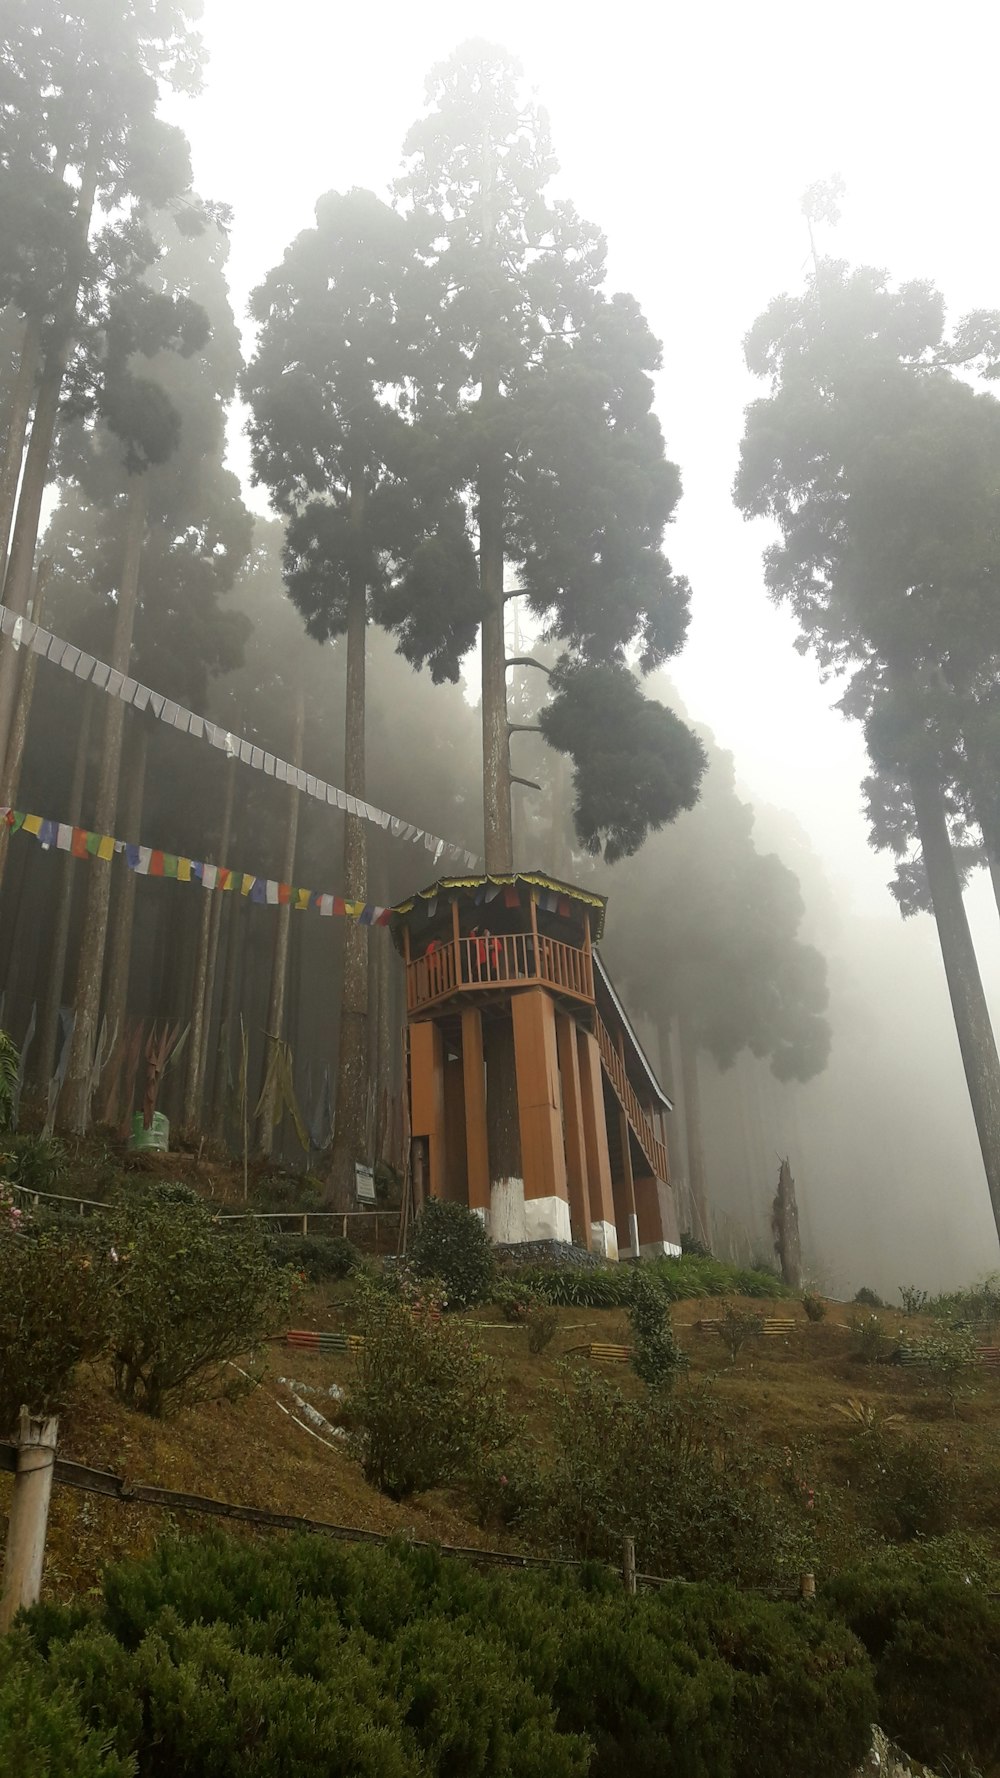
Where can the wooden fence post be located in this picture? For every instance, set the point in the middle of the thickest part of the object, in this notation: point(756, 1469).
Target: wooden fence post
point(628, 1564)
point(29, 1515)
point(807, 1586)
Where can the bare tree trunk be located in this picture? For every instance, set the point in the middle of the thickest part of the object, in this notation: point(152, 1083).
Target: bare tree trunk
point(352, 1052)
point(75, 1099)
point(228, 1014)
point(18, 410)
point(693, 1137)
point(48, 1037)
point(123, 916)
point(279, 959)
point(17, 580)
point(968, 1001)
point(499, 840)
point(10, 778)
point(215, 905)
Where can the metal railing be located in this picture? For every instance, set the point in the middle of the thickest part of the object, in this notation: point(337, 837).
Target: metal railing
point(640, 1122)
point(295, 1222)
point(501, 960)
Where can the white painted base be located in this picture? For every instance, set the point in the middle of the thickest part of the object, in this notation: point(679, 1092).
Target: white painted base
point(515, 1218)
point(660, 1250)
point(604, 1239)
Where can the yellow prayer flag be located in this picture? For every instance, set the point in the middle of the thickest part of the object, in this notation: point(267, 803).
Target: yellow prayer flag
point(106, 847)
point(247, 884)
point(353, 908)
point(32, 824)
point(301, 899)
point(184, 870)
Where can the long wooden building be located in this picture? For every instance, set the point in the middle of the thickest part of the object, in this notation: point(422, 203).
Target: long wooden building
point(531, 1099)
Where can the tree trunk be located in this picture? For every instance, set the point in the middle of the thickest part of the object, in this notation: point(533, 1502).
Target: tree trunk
point(503, 1127)
point(352, 1053)
point(10, 778)
point(497, 828)
point(275, 1030)
point(216, 903)
point(227, 1014)
point(75, 1098)
point(968, 1002)
point(123, 917)
point(18, 410)
point(48, 1038)
point(17, 580)
point(691, 1094)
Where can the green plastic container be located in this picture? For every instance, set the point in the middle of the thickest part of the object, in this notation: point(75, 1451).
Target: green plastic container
point(157, 1137)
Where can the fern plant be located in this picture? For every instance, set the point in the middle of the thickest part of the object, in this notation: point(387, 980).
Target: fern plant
point(10, 1066)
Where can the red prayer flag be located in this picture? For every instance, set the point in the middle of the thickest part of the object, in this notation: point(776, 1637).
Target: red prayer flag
point(156, 864)
point(284, 893)
point(78, 844)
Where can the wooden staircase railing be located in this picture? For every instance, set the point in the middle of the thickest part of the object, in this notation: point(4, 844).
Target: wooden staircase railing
point(640, 1125)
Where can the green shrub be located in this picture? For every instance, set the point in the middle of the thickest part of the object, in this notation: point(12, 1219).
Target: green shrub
point(586, 1288)
point(54, 1311)
point(736, 1327)
point(543, 1321)
point(10, 1065)
point(695, 1277)
point(451, 1243)
point(36, 1163)
point(690, 1244)
point(426, 1406)
point(914, 1301)
point(508, 1488)
point(870, 1342)
point(868, 1299)
point(947, 1358)
point(935, 1647)
point(514, 1299)
point(977, 1307)
point(656, 1356)
point(907, 1482)
point(323, 1259)
point(188, 1300)
point(814, 1306)
point(700, 1501)
point(43, 1729)
point(258, 1661)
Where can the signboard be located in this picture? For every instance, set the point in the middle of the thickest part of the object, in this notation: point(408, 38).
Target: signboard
point(364, 1184)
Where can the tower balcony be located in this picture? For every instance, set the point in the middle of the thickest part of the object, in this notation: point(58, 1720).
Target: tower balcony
point(496, 964)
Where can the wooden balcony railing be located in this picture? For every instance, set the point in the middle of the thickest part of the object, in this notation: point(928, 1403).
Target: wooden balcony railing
point(641, 1124)
point(506, 960)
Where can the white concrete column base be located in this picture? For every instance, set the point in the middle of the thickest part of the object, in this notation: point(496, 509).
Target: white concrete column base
point(604, 1239)
point(515, 1218)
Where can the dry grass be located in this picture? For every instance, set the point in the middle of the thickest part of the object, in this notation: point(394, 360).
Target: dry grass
point(784, 1391)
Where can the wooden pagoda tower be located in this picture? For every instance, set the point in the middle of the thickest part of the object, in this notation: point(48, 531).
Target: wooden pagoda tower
point(505, 990)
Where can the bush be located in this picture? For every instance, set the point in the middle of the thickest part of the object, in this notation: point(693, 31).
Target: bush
point(907, 1481)
point(188, 1300)
point(870, 1340)
point(935, 1648)
point(669, 1471)
point(656, 1356)
point(54, 1311)
point(948, 1358)
point(34, 1162)
point(589, 1288)
point(868, 1299)
point(451, 1243)
point(977, 1307)
point(914, 1301)
point(43, 1730)
point(695, 1277)
point(514, 1299)
point(426, 1407)
point(321, 1258)
point(736, 1327)
point(543, 1320)
point(250, 1661)
point(814, 1306)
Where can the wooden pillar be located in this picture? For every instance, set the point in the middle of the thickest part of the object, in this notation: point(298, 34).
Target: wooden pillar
point(595, 1136)
point(477, 1152)
point(649, 1212)
point(576, 1147)
point(543, 1159)
point(455, 1185)
point(427, 1099)
point(29, 1515)
point(624, 1192)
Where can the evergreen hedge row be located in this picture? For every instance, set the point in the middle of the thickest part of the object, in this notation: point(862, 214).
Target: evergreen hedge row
point(215, 1657)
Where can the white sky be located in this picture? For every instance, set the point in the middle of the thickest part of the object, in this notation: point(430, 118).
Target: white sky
point(689, 136)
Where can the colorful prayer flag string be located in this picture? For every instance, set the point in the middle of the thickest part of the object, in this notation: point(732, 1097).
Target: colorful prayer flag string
point(151, 861)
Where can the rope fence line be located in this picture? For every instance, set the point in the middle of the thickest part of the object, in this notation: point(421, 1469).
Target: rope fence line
point(82, 1477)
point(300, 1218)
